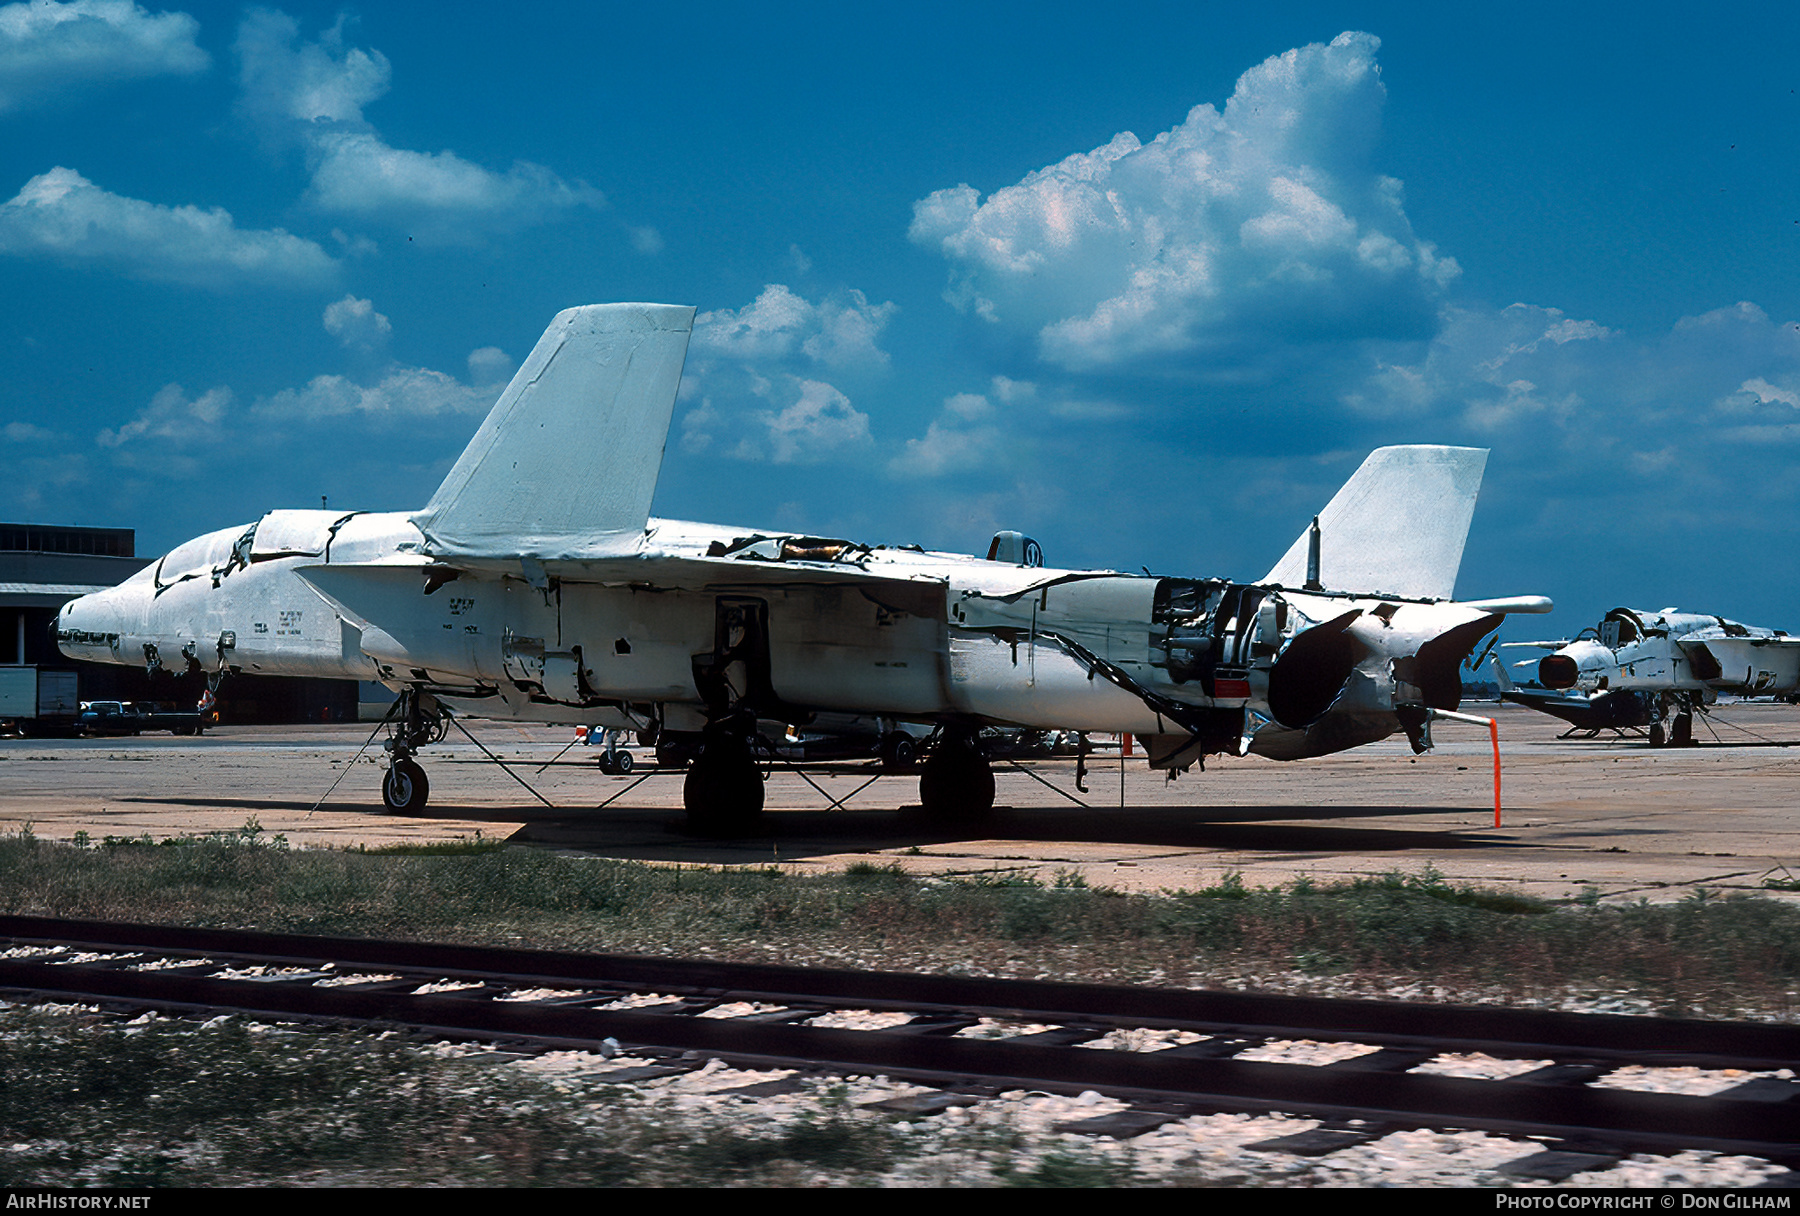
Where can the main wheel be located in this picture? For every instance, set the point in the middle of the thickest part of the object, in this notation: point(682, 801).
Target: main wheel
point(405, 788)
point(723, 792)
point(1681, 733)
point(956, 782)
point(622, 762)
point(608, 764)
point(898, 752)
point(1658, 735)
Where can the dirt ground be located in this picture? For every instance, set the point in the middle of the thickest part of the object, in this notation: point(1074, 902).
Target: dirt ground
point(1610, 814)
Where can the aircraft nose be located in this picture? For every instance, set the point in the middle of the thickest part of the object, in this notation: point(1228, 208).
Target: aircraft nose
point(91, 626)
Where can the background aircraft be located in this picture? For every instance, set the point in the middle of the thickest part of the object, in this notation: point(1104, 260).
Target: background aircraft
point(1616, 710)
point(1669, 663)
point(535, 586)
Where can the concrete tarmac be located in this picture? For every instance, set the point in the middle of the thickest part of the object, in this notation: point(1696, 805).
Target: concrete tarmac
point(1608, 814)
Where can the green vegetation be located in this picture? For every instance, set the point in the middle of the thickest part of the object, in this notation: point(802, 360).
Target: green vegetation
point(1723, 955)
point(88, 1100)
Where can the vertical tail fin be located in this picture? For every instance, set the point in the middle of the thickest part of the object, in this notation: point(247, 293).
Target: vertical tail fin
point(1397, 527)
point(566, 463)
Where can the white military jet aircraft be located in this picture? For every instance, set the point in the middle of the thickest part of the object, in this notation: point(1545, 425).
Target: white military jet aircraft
point(1672, 663)
point(534, 586)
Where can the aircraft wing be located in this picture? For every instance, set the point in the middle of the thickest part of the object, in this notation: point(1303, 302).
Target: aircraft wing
point(361, 588)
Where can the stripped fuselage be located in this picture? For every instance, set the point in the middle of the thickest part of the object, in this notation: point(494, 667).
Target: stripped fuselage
point(789, 626)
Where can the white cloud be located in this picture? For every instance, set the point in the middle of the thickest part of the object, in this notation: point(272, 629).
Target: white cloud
point(490, 366)
point(818, 424)
point(1765, 393)
point(987, 431)
point(314, 94)
point(1725, 381)
point(413, 392)
point(437, 192)
point(803, 422)
point(316, 82)
point(841, 330)
point(26, 432)
point(355, 323)
point(1232, 231)
point(180, 422)
point(756, 375)
point(61, 214)
point(47, 48)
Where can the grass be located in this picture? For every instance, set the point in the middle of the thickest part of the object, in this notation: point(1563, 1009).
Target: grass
point(1725, 955)
point(87, 1100)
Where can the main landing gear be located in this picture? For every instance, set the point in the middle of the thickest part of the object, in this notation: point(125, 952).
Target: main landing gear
point(1674, 725)
point(723, 791)
point(956, 782)
point(421, 722)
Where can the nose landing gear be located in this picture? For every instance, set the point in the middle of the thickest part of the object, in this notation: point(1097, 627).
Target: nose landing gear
point(421, 722)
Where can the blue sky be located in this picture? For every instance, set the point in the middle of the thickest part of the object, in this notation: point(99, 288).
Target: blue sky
point(1145, 283)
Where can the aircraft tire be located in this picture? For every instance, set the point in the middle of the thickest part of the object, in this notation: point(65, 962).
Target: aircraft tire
point(607, 764)
point(1658, 736)
point(956, 786)
point(723, 794)
point(404, 788)
point(899, 753)
point(622, 762)
point(1681, 733)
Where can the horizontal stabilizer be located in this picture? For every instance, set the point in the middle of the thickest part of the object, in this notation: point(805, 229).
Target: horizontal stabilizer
point(1397, 527)
point(566, 463)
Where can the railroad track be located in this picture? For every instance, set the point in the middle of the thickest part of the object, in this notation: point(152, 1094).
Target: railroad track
point(969, 1037)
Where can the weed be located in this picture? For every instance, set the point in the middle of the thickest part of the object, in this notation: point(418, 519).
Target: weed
point(1063, 1169)
point(867, 871)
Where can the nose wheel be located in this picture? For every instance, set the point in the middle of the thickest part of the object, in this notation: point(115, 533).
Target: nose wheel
point(405, 788)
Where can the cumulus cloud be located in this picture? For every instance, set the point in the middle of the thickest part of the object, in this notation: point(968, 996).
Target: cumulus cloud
point(60, 214)
point(320, 82)
point(313, 94)
point(965, 435)
point(757, 375)
point(411, 392)
point(1261, 222)
point(48, 49)
point(839, 331)
point(356, 173)
point(490, 366)
point(1723, 380)
point(177, 420)
point(355, 323)
point(26, 432)
point(801, 422)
